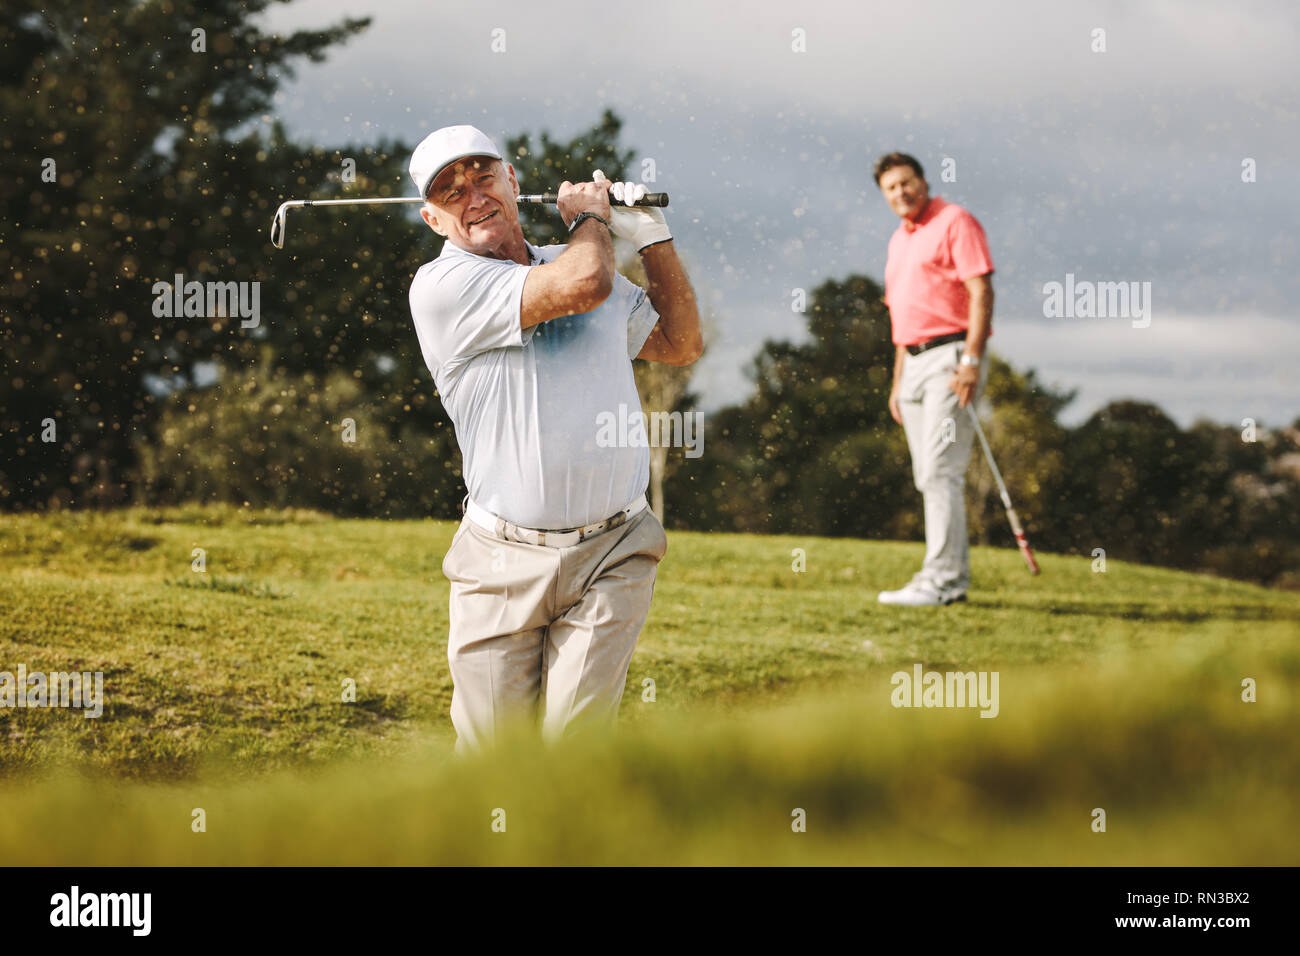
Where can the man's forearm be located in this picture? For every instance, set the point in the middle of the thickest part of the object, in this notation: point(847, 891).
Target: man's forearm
point(980, 320)
point(899, 353)
point(673, 298)
point(590, 252)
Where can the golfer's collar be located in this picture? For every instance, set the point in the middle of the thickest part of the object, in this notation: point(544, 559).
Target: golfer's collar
point(450, 248)
point(932, 207)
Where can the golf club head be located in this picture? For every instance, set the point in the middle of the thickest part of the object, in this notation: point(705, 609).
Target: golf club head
point(277, 226)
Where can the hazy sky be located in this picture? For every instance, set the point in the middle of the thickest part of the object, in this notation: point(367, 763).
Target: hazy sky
point(1123, 165)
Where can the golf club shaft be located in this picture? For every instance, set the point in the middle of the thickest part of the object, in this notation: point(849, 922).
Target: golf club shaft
point(539, 199)
point(1012, 517)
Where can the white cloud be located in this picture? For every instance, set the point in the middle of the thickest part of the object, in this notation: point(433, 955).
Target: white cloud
point(1222, 368)
point(908, 60)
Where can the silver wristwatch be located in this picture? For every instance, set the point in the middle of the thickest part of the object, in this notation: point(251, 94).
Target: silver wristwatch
point(971, 360)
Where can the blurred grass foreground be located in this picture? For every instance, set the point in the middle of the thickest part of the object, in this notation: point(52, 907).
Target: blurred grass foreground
point(758, 726)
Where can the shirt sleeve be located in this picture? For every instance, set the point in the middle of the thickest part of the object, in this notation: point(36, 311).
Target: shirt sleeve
point(970, 248)
point(465, 307)
point(641, 317)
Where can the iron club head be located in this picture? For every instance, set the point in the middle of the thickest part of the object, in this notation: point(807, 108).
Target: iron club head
point(277, 226)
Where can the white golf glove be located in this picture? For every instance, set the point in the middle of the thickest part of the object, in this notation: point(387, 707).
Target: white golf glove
point(641, 225)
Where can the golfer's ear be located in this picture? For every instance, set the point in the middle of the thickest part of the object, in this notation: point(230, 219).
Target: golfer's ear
point(428, 214)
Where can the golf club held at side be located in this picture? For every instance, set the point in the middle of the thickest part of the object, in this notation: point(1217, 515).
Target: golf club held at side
point(1012, 517)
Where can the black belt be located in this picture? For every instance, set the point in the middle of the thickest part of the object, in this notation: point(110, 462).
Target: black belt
point(941, 340)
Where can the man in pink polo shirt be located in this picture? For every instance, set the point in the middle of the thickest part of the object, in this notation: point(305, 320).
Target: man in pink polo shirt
point(940, 295)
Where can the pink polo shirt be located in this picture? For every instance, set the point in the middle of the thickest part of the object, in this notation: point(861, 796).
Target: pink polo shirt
point(928, 262)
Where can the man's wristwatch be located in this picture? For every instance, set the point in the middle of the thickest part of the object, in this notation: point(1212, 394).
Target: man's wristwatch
point(582, 216)
point(971, 360)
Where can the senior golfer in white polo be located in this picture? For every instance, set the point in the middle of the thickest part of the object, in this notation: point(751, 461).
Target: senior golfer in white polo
point(553, 566)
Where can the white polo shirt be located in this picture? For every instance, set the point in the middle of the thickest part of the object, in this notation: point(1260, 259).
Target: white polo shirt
point(526, 403)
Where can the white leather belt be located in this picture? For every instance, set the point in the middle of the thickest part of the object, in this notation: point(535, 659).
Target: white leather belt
point(502, 528)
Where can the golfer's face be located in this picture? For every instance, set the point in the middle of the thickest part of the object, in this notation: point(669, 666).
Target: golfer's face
point(474, 202)
point(906, 192)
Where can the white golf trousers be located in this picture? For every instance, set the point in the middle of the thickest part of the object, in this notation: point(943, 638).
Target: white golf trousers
point(939, 436)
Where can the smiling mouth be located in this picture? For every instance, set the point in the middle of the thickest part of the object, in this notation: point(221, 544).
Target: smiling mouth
point(485, 218)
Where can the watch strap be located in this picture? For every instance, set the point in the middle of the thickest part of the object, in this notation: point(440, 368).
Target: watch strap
point(583, 216)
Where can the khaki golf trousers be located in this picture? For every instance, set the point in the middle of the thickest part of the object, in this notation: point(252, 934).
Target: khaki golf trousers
point(545, 632)
point(939, 436)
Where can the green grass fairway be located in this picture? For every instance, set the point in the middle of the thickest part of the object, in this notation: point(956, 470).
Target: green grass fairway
point(223, 691)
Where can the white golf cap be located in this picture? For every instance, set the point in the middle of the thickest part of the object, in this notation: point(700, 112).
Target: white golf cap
point(443, 147)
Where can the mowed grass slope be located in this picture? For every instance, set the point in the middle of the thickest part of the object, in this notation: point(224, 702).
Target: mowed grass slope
point(771, 687)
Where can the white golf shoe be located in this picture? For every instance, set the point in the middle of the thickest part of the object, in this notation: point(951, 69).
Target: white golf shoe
point(919, 594)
